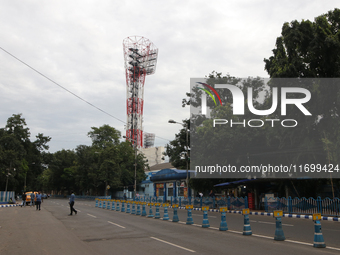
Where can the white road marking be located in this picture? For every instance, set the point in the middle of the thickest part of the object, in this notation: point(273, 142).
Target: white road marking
point(92, 215)
point(115, 224)
point(273, 223)
point(181, 247)
point(202, 215)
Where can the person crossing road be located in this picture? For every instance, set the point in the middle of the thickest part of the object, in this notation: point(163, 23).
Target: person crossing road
point(72, 204)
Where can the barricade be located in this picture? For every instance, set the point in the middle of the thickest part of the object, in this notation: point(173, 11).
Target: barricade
point(166, 214)
point(319, 242)
point(143, 209)
point(117, 205)
point(150, 210)
point(128, 210)
point(189, 219)
point(100, 203)
point(133, 211)
point(157, 214)
point(104, 203)
point(113, 205)
point(223, 224)
point(123, 206)
point(205, 223)
point(246, 228)
point(97, 202)
point(279, 235)
point(108, 204)
point(138, 208)
point(175, 216)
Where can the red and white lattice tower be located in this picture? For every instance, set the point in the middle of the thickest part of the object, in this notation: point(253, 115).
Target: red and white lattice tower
point(140, 57)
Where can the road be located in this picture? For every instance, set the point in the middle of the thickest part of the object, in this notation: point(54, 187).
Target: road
point(101, 231)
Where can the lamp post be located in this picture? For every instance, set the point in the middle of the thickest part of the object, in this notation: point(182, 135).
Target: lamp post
point(8, 174)
point(135, 148)
point(187, 149)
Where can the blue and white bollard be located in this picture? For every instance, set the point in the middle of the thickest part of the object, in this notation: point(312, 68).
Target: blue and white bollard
point(166, 214)
point(205, 223)
point(246, 228)
point(96, 202)
point(113, 205)
point(100, 203)
point(138, 208)
point(133, 211)
point(279, 235)
point(104, 203)
point(189, 219)
point(117, 205)
point(319, 242)
point(157, 214)
point(128, 210)
point(175, 216)
point(123, 206)
point(223, 224)
point(108, 204)
point(150, 211)
point(143, 209)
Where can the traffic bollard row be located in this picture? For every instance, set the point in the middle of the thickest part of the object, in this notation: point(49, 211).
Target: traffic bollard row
point(278, 214)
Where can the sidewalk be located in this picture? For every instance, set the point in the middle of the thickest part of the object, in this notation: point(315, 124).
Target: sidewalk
point(24, 230)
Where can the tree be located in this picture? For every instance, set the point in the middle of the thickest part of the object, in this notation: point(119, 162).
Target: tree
point(19, 156)
point(177, 148)
point(309, 49)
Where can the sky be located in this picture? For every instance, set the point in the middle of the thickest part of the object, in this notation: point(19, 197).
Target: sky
point(78, 45)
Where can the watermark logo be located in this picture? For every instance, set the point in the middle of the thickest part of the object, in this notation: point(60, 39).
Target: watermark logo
point(239, 102)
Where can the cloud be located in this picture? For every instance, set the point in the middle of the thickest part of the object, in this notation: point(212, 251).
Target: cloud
point(78, 44)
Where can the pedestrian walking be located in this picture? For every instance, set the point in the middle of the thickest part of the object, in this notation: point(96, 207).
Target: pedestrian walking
point(32, 199)
point(23, 197)
point(39, 200)
point(72, 203)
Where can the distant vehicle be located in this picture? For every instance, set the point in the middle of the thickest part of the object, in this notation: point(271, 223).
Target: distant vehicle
point(44, 196)
point(28, 196)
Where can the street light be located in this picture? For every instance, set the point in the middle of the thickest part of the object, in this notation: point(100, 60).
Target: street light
point(135, 148)
point(8, 174)
point(185, 125)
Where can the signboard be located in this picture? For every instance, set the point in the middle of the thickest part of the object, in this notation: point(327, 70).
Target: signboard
point(223, 209)
point(316, 216)
point(189, 207)
point(278, 213)
point(245, 211)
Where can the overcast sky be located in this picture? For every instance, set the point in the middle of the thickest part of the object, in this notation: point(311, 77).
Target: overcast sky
point(78, 44)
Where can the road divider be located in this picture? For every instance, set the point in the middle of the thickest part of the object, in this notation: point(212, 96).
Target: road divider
point(175, 214)
point(279, 235)
point(150, 210)
point(189, 219)
point(166, 214)
point(205, 222)
point(223, 224)
point(246, 227)
point(319, 242)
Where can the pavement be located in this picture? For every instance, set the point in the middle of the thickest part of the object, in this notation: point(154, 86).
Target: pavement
point(98, 231)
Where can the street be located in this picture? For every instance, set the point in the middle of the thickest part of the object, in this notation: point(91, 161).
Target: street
point(102, 231)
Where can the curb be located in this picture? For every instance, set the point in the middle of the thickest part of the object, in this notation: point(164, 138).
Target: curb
point(9, 205)
point(298, 216)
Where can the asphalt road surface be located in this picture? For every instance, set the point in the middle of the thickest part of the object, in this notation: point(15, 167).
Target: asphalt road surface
point(101, 231)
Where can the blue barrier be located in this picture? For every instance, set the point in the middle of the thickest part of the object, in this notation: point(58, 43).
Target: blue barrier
point(327, 206)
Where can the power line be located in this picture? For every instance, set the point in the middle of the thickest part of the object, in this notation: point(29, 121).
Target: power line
point(62, 87)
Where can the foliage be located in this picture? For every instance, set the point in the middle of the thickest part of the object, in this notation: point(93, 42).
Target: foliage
point(21, 160)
